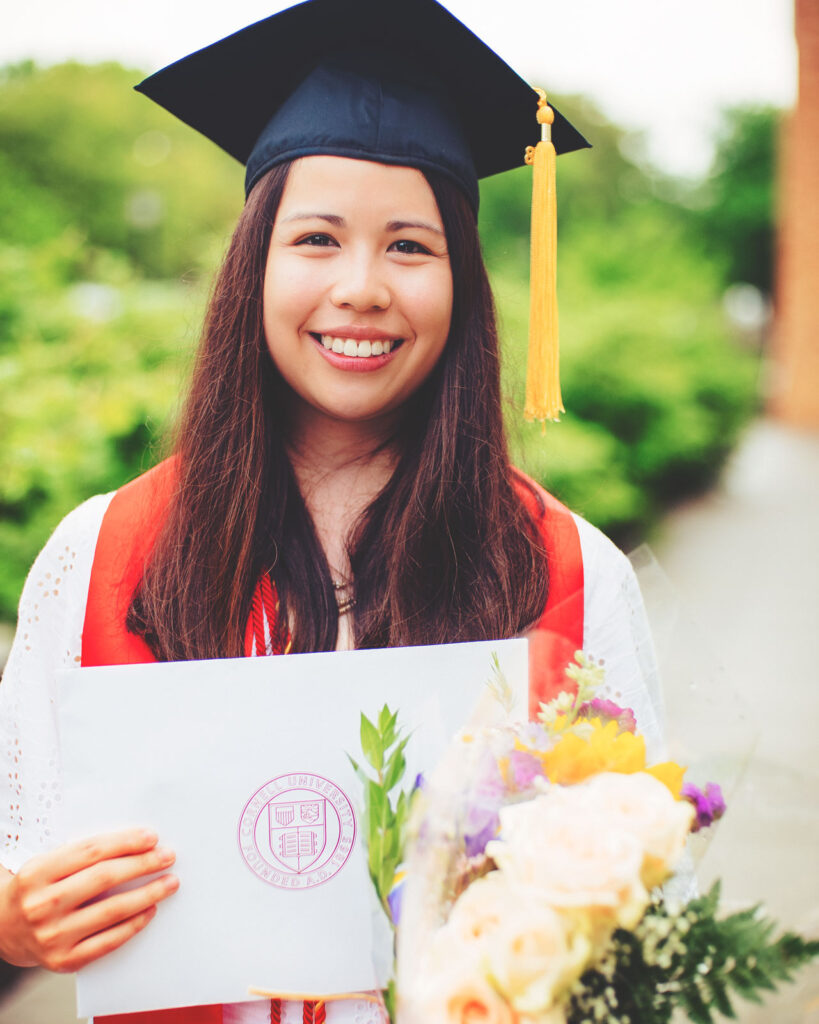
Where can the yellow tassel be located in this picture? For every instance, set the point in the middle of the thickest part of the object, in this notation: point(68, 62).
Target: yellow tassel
point(543, 399)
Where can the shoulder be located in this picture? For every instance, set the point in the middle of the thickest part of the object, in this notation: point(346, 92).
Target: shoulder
point(602, 559)
point(68, 553)
point(603, 562)
point(612, 598)
point(52, 603)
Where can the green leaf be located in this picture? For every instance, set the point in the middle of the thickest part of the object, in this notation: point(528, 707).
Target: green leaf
point(388, 731)
point(359, 771)
point(402, 809)
point(390, 1000)
point(374, 861)
point(696, 1006)
point(387, 878)
point(400, 747)
point(716, 986)
point(377, 803)
point(392, 847)
point(371, 744)
point(396, 766)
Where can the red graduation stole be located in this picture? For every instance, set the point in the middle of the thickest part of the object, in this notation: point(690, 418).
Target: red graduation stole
point(128, 532)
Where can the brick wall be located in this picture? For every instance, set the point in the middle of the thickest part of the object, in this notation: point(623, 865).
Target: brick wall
point(794, 393)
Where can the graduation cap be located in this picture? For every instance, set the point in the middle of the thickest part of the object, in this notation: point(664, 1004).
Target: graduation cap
point(394, 82)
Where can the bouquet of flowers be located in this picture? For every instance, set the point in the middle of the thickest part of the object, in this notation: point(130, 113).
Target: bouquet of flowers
point(525, 875)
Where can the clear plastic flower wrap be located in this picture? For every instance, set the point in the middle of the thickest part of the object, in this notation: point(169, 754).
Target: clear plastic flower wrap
point(530, 887)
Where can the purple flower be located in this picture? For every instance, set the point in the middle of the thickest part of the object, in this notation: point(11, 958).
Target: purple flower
point(523, 768)
point(482, 805)
point(709, 803)
point(535, 737)
point(608, 711)
point(394, 900)
point(481, 825)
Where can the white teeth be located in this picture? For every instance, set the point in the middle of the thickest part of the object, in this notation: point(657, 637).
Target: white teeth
point(351, 347)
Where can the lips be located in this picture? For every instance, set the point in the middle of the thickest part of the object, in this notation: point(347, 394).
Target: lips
point(359, 348)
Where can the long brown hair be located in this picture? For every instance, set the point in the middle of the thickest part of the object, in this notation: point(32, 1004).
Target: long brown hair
point(446, 552)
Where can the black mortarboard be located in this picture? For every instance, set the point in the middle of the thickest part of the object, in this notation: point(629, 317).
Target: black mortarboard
point(394, 81)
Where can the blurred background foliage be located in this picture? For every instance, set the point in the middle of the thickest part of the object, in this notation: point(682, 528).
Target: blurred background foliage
point(113, 217)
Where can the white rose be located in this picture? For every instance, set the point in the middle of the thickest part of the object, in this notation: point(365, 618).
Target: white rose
point(480, 909)
point(575, 860)
point(644, 807)
point(512, 938)
point(455, 991)
point(536, 954)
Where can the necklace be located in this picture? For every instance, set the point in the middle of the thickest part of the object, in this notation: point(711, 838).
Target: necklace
point(344, 601)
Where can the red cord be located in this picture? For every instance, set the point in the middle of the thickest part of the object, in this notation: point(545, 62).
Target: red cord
point(265, 606)
point(258, 621)
point(270, 600)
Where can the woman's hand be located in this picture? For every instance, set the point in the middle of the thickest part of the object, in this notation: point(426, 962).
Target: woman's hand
point(47, 916)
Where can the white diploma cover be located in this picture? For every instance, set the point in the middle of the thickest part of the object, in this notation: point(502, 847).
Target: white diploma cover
point(241, 768)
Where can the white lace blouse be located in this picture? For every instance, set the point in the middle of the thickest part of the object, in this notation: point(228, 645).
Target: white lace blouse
point(49, 637)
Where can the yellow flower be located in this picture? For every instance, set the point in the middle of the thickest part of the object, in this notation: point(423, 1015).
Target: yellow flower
point(573, 758)
point(670, 774)
point(561, 722)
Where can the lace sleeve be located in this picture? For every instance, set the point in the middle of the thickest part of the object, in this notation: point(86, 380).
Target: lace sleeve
point(616, 631)
point(48, 638)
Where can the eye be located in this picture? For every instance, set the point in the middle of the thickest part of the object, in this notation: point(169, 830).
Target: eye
point(317, 239)
point(409, 248)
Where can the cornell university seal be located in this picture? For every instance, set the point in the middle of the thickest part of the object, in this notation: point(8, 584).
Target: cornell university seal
point(297, 831)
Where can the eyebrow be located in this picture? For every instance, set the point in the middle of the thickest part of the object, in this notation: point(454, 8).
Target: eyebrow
point(339, 222)
point(402, 225)
point(331, 218)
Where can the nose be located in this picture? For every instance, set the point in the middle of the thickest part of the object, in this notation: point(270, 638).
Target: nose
point(360, 284)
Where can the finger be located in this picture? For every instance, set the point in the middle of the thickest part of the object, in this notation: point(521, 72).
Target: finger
point(104, 942)
point(74, 857)
point(116, 909)
point(44, 902)
point(94, 881)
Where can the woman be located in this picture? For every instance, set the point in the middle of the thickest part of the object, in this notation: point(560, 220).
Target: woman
point(340, 478)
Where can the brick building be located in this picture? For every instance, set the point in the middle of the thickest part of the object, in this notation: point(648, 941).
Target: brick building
point(794, 393)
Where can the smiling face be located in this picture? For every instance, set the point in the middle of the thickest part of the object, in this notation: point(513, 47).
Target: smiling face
point(358, 287)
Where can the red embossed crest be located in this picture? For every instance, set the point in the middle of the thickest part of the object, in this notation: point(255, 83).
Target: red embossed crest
point(297, 831)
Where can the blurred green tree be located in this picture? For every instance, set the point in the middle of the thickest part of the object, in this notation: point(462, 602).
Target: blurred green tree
point(736, 208)
point(95, 155)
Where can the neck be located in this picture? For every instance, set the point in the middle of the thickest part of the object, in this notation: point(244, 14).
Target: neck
point(340, 468)
point(319, 446)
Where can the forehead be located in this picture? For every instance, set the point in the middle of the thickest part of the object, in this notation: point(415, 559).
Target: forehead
point(333, 185)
